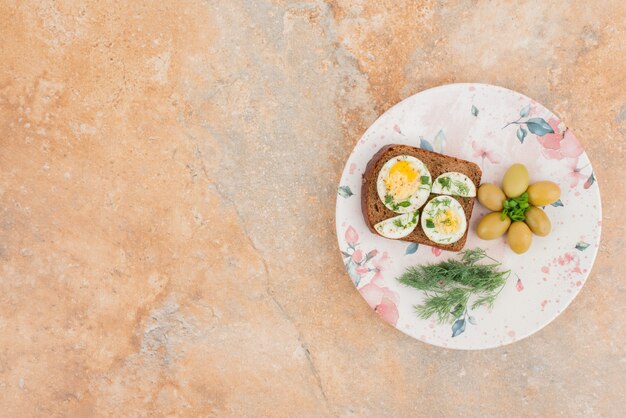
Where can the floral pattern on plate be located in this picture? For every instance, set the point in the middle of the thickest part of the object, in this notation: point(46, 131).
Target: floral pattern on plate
point(493, 127)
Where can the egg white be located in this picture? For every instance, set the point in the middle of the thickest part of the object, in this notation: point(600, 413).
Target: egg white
point(399, 226)
point(454, 184)
point(442, 203)
point(418, 199)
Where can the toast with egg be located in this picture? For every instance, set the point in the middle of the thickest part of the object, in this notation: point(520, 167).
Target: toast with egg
point(374, 209)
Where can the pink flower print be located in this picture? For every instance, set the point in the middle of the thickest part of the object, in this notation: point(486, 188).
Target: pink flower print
point(383, 300)
point(436, 251)
point(382, 260)
point(372, 294)
point(482, 152)
point(362, 270)
point(357, 261)
point(379, 266)
point(351, 235)
point(551, 141)
point(573, 173)
point(560, 144)
point(519, 285)
point(388, 311)
point(352, 168)
point(570, 147)
point(357, 256)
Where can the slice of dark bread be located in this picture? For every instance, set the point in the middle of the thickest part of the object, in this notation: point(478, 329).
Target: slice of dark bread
point(374, 209)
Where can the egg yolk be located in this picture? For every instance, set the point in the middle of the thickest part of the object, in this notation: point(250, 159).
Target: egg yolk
point(401, 181)
point(446, 221)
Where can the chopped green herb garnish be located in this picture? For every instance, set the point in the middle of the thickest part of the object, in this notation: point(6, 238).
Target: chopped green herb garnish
point(424, 179)
point(445, 182)
point(404, 204)
point(462, 187)
point(515, 208)
point(398, 223)
point(388, 199)
point(430, 223)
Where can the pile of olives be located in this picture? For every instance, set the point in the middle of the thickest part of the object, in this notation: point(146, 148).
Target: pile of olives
point(517, 199)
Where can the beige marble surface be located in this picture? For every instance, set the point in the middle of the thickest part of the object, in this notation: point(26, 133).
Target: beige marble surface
point(168, 174)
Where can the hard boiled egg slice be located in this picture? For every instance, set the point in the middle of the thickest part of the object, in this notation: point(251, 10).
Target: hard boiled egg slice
point(397, 227)
point(443, 220)
point(403, 184)
point(455, 184)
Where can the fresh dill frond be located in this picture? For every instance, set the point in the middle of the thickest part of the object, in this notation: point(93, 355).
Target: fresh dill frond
point(443, 304)
point(473, 255)
point(449, 285)
point(484, 300)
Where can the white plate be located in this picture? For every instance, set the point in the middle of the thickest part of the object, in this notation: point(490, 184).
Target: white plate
point(490, 126)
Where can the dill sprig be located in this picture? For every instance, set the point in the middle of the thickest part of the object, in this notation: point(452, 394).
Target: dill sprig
point(449, 285)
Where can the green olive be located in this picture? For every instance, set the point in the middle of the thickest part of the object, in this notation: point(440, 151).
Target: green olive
point(543, 193)
point(519, 237)
point(538, 221)
point(491, 196)
point(515, 180)
point(492, 227)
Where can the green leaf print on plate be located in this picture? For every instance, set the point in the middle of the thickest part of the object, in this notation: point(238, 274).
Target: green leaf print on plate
point(345, 192)
point(521, 134)
point(537, 126)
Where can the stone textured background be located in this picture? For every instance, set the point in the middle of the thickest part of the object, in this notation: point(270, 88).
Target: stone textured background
point(168, 174)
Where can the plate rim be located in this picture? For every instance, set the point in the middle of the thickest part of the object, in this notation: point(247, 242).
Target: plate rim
point(593, 255)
